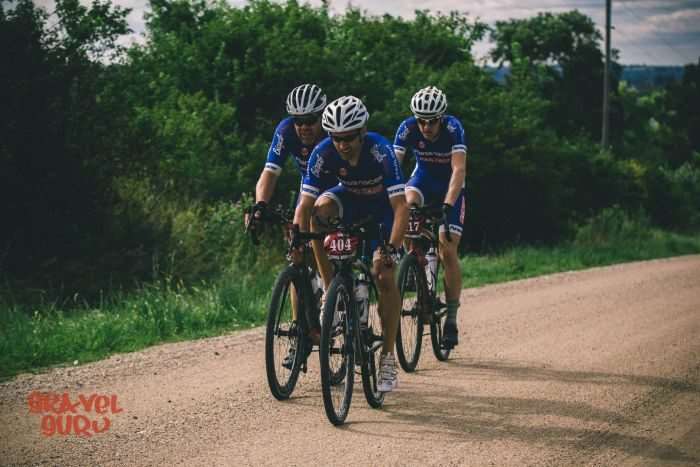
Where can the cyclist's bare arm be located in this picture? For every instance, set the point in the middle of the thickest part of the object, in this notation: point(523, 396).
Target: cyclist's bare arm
point(459, 171)
point(398, 204)
point(302, 214)
point(265, 186)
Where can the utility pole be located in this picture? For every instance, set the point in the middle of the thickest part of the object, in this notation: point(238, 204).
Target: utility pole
point(606, 78)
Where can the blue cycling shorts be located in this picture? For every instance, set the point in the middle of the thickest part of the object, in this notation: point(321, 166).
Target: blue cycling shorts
point(354, 208)
point(431, 194)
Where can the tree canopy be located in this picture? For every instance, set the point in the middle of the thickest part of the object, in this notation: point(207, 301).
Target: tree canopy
point(113, 158)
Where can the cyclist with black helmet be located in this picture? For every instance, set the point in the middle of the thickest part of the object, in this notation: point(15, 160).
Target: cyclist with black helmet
point(371, 185)
point(438, 144)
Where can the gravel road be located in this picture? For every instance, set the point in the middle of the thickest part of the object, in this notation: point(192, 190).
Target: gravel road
point(593, 368)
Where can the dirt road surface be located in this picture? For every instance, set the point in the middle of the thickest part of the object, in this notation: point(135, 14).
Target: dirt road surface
point(592, 368)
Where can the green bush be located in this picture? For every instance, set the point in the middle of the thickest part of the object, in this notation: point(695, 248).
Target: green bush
point(674, 200)
point(612, 226)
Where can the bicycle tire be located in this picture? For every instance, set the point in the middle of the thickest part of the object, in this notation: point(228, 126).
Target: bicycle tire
point(437, 324)
point(409, 337)
point(280, 325)
point(337, 339)
point(371, 344)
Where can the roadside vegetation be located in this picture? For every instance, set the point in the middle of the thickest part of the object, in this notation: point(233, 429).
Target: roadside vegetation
point(124, 170)
point(72, 333)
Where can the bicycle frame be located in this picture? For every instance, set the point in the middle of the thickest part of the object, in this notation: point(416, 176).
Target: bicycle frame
point(428, 219)
point(348, 270)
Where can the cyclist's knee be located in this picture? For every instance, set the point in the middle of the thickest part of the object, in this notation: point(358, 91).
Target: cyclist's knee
point(412, 198)
point(451, 244)
point(324, 208)
point(448, 248)
point(383, 276)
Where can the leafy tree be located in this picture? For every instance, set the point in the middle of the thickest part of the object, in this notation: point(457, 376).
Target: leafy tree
point(683, 115)
point(51, 127)
point(568, 43)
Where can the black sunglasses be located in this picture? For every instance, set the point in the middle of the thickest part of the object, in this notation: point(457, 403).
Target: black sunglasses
point(347, 139)
point(427, 122)
point(306, 119)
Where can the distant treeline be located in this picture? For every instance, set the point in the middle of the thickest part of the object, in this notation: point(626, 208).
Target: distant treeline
point(641, 77)
point(119, 165)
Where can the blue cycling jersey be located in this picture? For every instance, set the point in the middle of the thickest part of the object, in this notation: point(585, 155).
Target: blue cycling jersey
point(433, 158)
point(286, 142)
point(377, 172)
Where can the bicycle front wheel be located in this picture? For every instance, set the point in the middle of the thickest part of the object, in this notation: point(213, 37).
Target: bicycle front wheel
point(437, 321)
point(282, 339)
point(413, 290)
point(371, 340)
point(336, 355)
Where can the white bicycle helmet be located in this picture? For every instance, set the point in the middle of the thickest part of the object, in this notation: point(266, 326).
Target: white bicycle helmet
point(306, 99)
point(429, 103)
point(344, 114)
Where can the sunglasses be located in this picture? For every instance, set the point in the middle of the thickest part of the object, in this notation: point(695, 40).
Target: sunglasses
point(306, 120)
point(430, 122)
point(345, 139)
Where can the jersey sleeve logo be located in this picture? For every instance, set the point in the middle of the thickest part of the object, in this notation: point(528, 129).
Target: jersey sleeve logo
point(278, 147)
point(451, 127)
point(404, 133)
point(378, 155)
point(318, 166)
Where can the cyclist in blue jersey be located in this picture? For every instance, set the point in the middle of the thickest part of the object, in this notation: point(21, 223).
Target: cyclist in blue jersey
point(438, 144)
point(371, 185)
point(295, 136)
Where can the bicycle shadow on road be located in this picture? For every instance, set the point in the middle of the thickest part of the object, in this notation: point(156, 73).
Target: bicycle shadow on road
point(527, 371)
point(444, 409)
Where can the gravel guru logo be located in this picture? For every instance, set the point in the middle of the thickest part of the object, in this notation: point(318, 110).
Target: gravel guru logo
point(85, 416)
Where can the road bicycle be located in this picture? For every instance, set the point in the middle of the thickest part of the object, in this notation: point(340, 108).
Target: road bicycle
point(422, 301)
point(288, 341)
point(351, 330)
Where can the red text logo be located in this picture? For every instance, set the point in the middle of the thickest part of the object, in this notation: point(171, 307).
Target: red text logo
point(83, 416)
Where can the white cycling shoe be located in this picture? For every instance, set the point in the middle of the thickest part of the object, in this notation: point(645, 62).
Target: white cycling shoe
point(388, 374)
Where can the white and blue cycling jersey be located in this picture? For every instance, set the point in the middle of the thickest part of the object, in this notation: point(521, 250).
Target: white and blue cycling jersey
point(365, 189)
point(376, 174)
point(433, 158)
point(286, 143)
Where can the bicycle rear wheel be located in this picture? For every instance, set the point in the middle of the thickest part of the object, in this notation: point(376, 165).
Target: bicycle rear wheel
point(372, 338)
point(336, 355)
point(413, 290)
point(283, 343)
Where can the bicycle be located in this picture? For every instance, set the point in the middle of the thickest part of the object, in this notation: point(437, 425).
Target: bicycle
point(421, 301)
point(287, 340)
point(351, 330)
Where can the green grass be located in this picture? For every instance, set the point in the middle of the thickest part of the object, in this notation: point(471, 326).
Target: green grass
point(523, 262)
point(32, 339)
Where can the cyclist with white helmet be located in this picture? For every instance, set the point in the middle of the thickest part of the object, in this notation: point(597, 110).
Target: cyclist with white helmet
point(296, 136)
point(438, 144)
point(371, 185)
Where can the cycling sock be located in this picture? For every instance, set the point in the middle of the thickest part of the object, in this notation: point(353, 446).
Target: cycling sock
point(452, 307)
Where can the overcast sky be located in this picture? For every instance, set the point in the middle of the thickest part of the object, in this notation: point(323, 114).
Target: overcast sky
point(653, 32)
